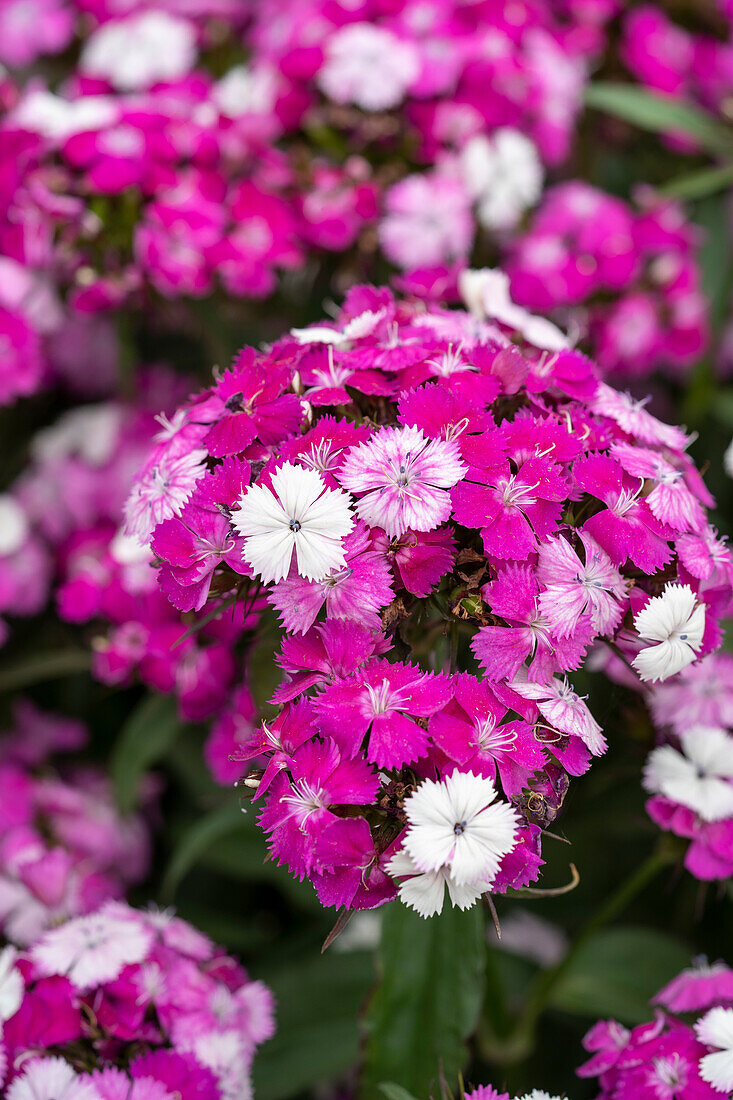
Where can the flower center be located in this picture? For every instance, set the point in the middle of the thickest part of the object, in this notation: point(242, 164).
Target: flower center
point(460, 827)
point(294, 526)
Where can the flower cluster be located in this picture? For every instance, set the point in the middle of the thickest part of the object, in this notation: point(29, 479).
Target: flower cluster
point(62, 534)
point(629, 280)
point(146, 170)
point(445, 522)
point(686, 1051)
point(690, 776)
point(127, 1003)
point(64, 846)
point(673, 61)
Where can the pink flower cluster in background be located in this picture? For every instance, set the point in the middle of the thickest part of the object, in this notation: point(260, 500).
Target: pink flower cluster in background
point(139, 172)
point(687, 1050)
point(404, 472)
point(64, 846)
point(690, 775)
point(629, 280)
point(128, 1003)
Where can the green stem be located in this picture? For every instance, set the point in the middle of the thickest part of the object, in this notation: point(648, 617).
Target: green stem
point(521, 1040)
point(45, 666)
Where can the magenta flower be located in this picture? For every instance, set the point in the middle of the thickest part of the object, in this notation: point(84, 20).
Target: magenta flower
point(326, 653)
point(382, 700)
point(323, 448)
point(419, 558)
point(471, 730)
point(299, 807)
point(626, 527)
point(512, 509)
point(251, 404)
point(402, 480)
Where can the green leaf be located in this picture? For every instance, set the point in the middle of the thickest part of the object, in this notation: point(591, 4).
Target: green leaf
point(43, 666)
point(196, 841)
point(428, 999)
point(317, 1038)
point(618, 971)
point(660, 114)
point(147, 735)
point(699, 185)
point(395, 1092)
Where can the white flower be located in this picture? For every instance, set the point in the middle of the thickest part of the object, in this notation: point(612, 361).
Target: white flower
point(676, 625)
point(94, 949)
point(13, 525)
point(486, 293)
point(368, 66)
point(136, 52)
point(224, 1053)
point(699, 777)
point(728, 459)
point(503, 174)
point(58, 119)
point(91, 432)
point(295, 512)
point(537, 1094)
point(51, 1079)
point(458, 824)
point(424, 891)
point(11, 984)
point(715, 1029)
point(244, 90)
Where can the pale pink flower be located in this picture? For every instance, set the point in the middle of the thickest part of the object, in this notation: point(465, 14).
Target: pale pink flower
point(161, 492)
point(51, 1079)
point(93, 949)
point(404, 479)
point(369, 66)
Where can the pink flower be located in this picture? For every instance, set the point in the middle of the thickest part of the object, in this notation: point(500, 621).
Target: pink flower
point(298, 808)
point(403, 478)
point(626, 528)
point(471, 730)
point(427, 222)
point(162, 489)
point(419, 558)
point(29, 28)
point(698, 988)
point(575, 590)
point(564, 709)
point(382, 700)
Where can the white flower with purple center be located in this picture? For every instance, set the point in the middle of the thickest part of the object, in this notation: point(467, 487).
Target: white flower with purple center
point(675, 623)
point(699, 777)
point(295, 513)
point(460, 825)
point(404, 479)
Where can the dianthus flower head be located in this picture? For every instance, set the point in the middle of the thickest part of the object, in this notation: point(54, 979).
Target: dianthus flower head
point(297, 512)
point(401, 479)
point(675, 623)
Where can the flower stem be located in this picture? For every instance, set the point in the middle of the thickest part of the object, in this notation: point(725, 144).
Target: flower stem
point(521, 1039)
